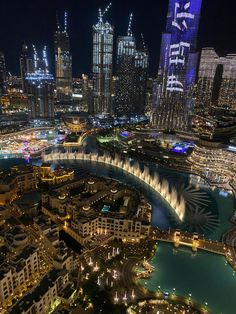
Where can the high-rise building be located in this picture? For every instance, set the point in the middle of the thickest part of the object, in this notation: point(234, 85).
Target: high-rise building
point(178, 64)
point(227, 95)
point(141, 77)
point(216, 81)
point(206, 76)
point(102, 65)
point(3, 76)
point(126, 50)
point(26, 66)
point(216, 95)
point(149, 97)
point(63, 63)
point(40, 89)
point(87, 89)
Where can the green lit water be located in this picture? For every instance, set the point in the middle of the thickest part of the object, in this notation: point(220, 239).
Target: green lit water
point(206, 276)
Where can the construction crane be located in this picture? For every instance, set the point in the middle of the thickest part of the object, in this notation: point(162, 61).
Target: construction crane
point(45, 59)
point(65, 22)
point(101, 14)
point(129, 32)
point(143, 42)
point(35, 58)
point(58, 23)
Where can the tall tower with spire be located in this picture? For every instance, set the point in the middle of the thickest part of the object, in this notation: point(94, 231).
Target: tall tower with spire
point(126, 73)
point(102, 65)
point(178, 66)
point(63, 62)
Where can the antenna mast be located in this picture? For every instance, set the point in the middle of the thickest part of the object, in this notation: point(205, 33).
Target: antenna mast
point(129, 32)
point(65, 22)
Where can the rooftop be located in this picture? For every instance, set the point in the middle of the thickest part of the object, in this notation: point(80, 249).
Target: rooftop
point(47, 282)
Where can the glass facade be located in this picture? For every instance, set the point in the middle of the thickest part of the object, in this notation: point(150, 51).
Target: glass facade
point(102, 67)
point(126, 76)
point(63, 64)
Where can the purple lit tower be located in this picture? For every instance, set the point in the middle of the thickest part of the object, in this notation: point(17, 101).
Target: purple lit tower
point(178, 65)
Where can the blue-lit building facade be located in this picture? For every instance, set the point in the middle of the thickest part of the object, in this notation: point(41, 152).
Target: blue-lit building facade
point(178, 65)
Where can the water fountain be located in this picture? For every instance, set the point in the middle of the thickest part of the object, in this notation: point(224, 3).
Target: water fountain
point(90, 263)
point(116, 297)
point(153, 181)
point(132, 294)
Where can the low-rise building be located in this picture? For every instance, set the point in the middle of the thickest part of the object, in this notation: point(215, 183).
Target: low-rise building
point(46, 174)
point(15, 182)
point(215, 163)
point(48, 231)
point(45, 297)
point(96, 209)
point(21, 179)
point(18, 273)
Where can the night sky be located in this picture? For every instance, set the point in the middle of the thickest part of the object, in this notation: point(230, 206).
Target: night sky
point(34, 21)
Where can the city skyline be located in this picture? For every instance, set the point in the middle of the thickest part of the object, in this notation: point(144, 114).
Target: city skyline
point(82, 16)
point(117, 157)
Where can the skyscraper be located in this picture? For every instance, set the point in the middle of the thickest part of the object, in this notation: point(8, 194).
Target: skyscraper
point(102, 65)
point(141, 76)
point(26, 66)
point(40, 89)
point(178, 64)
point(2, 77)
point(125, 97)
point(2, 74)
point(227, 95)
point(216, 81)
point(63, 63)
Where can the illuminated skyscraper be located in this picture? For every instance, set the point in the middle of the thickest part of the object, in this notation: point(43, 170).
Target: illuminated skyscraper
point(40, 89)
point(63, 63)
point(87, 92)
point(125, 92)
point(178, 64)
point(102, 65)
point(26, 66)
point(227, 95)
point(216, 81)
point(141, 76)
point(2, 74)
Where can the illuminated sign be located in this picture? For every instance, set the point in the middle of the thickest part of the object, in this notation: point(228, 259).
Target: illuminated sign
point(182, 25)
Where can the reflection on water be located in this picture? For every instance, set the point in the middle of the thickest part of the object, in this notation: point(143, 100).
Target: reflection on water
point(203, 205)
point(208, 212)
point(206, 276)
